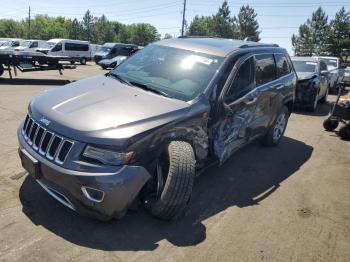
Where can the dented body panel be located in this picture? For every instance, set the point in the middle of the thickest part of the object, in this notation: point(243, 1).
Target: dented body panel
point(109, 113)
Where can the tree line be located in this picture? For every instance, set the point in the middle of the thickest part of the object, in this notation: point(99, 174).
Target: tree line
point(97, 30)
point(318, 36)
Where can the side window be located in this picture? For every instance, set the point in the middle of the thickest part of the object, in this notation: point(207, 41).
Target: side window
point(57, 47)
point(282, 65)
point(323, 66)
point(265, 69)
point(243, 83)
point(124, 51)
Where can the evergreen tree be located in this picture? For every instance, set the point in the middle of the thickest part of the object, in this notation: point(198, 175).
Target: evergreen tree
point(223, 24)
point(339, 34)
point(88, 21)
point(248, 25)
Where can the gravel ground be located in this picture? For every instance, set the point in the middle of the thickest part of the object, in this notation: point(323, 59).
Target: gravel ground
point(289, 203)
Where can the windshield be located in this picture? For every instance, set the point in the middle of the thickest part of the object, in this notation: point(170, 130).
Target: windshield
point(44, 45)
point(304, 66)
point(331, 63)
point(25, 43)
point(176, 72)
point(105, 49)
point(8, 43)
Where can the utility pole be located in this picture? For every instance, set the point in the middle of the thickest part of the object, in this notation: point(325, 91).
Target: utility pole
point(183, 19)
point(29, 24)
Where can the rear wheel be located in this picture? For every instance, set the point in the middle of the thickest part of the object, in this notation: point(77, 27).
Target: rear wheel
point(172, 186)
point(344, 132)
point(330, 124)
point(276, 131)
point(83, 61)
point(1, 69)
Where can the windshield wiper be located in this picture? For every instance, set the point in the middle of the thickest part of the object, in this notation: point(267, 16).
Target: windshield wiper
point(120, 78)
point(149, 88)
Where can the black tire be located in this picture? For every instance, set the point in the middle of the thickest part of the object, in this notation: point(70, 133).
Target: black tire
point(324, 98)
point(330, 124)
point(1, 69)
point(179, 170)
point(344, 132)
point(271, 138)
point(83, 61)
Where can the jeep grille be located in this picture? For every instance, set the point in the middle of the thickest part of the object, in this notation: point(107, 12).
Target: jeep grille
point(54, 147)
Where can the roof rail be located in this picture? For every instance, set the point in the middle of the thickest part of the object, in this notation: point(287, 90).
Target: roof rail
point(247, 45)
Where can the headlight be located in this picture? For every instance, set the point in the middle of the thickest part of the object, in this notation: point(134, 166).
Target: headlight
point(107, 156)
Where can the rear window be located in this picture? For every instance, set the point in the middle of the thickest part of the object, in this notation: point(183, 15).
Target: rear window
point(282, 65)
point(265, 69)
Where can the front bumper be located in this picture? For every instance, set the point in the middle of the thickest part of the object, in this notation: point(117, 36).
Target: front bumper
point(120, 187)
point(304, 95)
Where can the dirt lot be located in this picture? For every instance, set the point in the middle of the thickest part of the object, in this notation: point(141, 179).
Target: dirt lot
point(289, 203)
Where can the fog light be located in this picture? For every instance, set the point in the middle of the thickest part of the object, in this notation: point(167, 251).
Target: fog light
point(93, 194)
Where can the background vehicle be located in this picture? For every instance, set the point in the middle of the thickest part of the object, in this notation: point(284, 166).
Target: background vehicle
point(346, 78)
point(111, 63)
point(94, 49)
point(144, 129)
point(73, 49)
point(10, 43)
point(111, 50)
point(313, 82)
point(33, 45)
point(336, 71)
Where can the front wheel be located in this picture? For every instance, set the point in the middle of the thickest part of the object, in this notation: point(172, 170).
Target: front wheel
point(276, 131)
point(83, 61)
point(330, 124)
point(344, 132)
point(173, 182)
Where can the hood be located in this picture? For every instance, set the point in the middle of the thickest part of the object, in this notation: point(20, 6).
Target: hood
point(100, 53)
point(305, 75)
point(104, 107)
point(117, 59)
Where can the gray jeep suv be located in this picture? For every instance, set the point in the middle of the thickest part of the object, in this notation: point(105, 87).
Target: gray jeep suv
point(141, 132)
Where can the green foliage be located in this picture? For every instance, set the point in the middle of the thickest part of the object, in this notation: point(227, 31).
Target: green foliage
point(318, 37)
point(248, 26)
point(95, 29)
point(222, 24)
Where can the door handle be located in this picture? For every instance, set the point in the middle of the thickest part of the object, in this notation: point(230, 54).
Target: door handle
point(250, 100)
point(279, 86)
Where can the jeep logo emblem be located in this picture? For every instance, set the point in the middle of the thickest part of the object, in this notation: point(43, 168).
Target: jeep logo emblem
point(45, 121)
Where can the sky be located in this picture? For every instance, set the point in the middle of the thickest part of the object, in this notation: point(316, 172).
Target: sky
point(278, 20)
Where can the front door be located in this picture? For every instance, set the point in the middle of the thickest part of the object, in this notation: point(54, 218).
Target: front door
point(234, 127)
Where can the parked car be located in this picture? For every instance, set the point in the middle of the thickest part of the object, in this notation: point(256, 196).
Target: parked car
point(313, 82)
point(73, 49)
point(336, 71)
point(143, 130)
point(10, 43)
point(111, 63)
point(346, 78)
point(94, 49)
point(32, 45)
point(111, 50)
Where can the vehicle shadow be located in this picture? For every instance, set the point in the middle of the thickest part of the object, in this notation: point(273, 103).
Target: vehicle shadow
point(28, 81)
point(246, 179)
point(321, 110)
